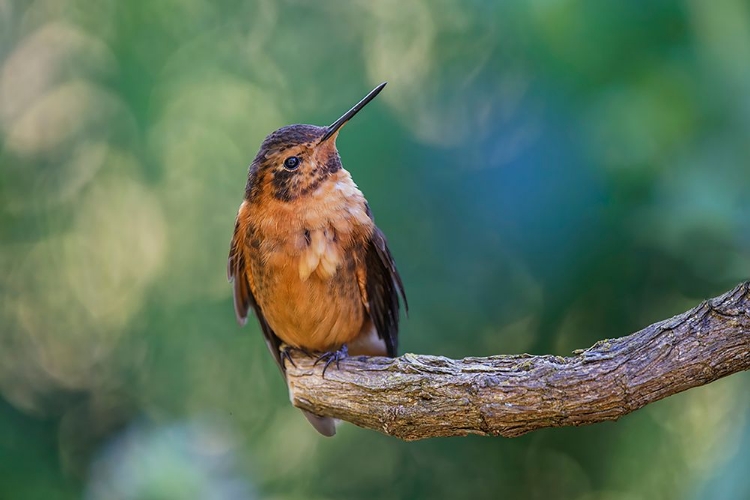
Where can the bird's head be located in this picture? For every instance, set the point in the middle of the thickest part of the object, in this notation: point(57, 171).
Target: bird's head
point(295, 160)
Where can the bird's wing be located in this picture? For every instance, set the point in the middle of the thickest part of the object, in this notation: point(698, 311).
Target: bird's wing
point(238, 274)
point(382, 289)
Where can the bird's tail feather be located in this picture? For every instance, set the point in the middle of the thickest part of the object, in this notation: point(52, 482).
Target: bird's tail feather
point(324, 425)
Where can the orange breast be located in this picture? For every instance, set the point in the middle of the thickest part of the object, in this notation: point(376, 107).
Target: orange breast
point(305, 260)
point(316, 313)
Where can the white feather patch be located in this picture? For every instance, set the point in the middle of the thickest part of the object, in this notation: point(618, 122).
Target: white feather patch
point(321, 256)
point(308, 262)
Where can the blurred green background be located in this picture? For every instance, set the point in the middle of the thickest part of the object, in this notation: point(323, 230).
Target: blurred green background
point(548, 173)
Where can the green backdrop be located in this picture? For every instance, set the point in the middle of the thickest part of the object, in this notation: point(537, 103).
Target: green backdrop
point(548, 172)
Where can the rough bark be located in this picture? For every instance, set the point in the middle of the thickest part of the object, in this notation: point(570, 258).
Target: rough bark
point(417, 396)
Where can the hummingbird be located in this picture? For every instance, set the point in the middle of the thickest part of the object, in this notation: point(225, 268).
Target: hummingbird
point(307, 258)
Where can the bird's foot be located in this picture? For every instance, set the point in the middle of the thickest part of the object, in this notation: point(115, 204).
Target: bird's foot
point(332, 357)
point(285, 353)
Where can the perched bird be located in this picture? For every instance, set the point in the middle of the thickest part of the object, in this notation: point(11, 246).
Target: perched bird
point(307, 257)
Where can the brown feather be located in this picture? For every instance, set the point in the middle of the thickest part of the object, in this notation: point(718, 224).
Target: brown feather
point(383, 286)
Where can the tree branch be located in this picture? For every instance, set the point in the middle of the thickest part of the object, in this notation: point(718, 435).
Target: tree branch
point(415, 397)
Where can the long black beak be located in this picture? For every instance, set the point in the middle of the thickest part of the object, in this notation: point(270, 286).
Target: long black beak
point(333, 128)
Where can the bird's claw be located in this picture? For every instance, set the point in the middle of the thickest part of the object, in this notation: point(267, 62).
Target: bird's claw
point(285, 353)
point(332, 357)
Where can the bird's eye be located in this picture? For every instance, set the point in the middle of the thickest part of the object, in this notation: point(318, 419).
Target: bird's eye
point(291, 163)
